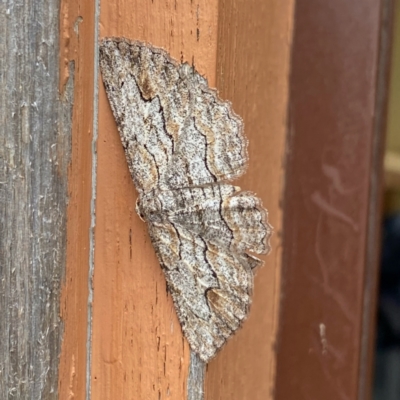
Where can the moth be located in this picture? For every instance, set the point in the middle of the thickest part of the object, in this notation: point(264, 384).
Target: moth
point(184, 146)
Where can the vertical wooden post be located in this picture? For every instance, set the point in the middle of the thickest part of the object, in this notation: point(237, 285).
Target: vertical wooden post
point(35, 143)
point(138, 348)
point(253, 72)
point(78, 26)
point(332, 199)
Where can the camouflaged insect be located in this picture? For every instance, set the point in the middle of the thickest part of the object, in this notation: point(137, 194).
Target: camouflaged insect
point(183, 145)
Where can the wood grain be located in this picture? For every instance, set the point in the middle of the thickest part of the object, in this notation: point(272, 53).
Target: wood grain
point(138, 348)
point(77, 45)
point(253, 72)
point(35, 139)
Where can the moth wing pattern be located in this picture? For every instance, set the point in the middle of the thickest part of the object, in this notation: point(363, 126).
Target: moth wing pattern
point(202, 250)
point(182, 117)
point(210, 287)
point(183, 145)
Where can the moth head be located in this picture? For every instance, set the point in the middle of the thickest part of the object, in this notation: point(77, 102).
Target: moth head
point(149, 208)
point(138, 210)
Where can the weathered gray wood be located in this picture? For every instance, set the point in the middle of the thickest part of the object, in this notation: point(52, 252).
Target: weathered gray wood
point(34, 154)
point(195, 385)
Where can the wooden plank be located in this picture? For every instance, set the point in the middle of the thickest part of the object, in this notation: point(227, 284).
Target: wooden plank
point(332, 200)
point(253, 72)
point(77, 48)
point(35, 142)
point(138, 348)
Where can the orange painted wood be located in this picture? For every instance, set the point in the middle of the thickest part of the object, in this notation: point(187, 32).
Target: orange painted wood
point(252, 71)
point(77, 19)
point(138, 349)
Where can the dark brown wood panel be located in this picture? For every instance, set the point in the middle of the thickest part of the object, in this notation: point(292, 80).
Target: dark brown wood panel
point(331, 210)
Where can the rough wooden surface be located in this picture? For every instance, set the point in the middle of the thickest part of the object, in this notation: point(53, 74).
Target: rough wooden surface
point(34, 153)
point(138, 348)
point(140, 351)
point(77, 45)
point(253, 72)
